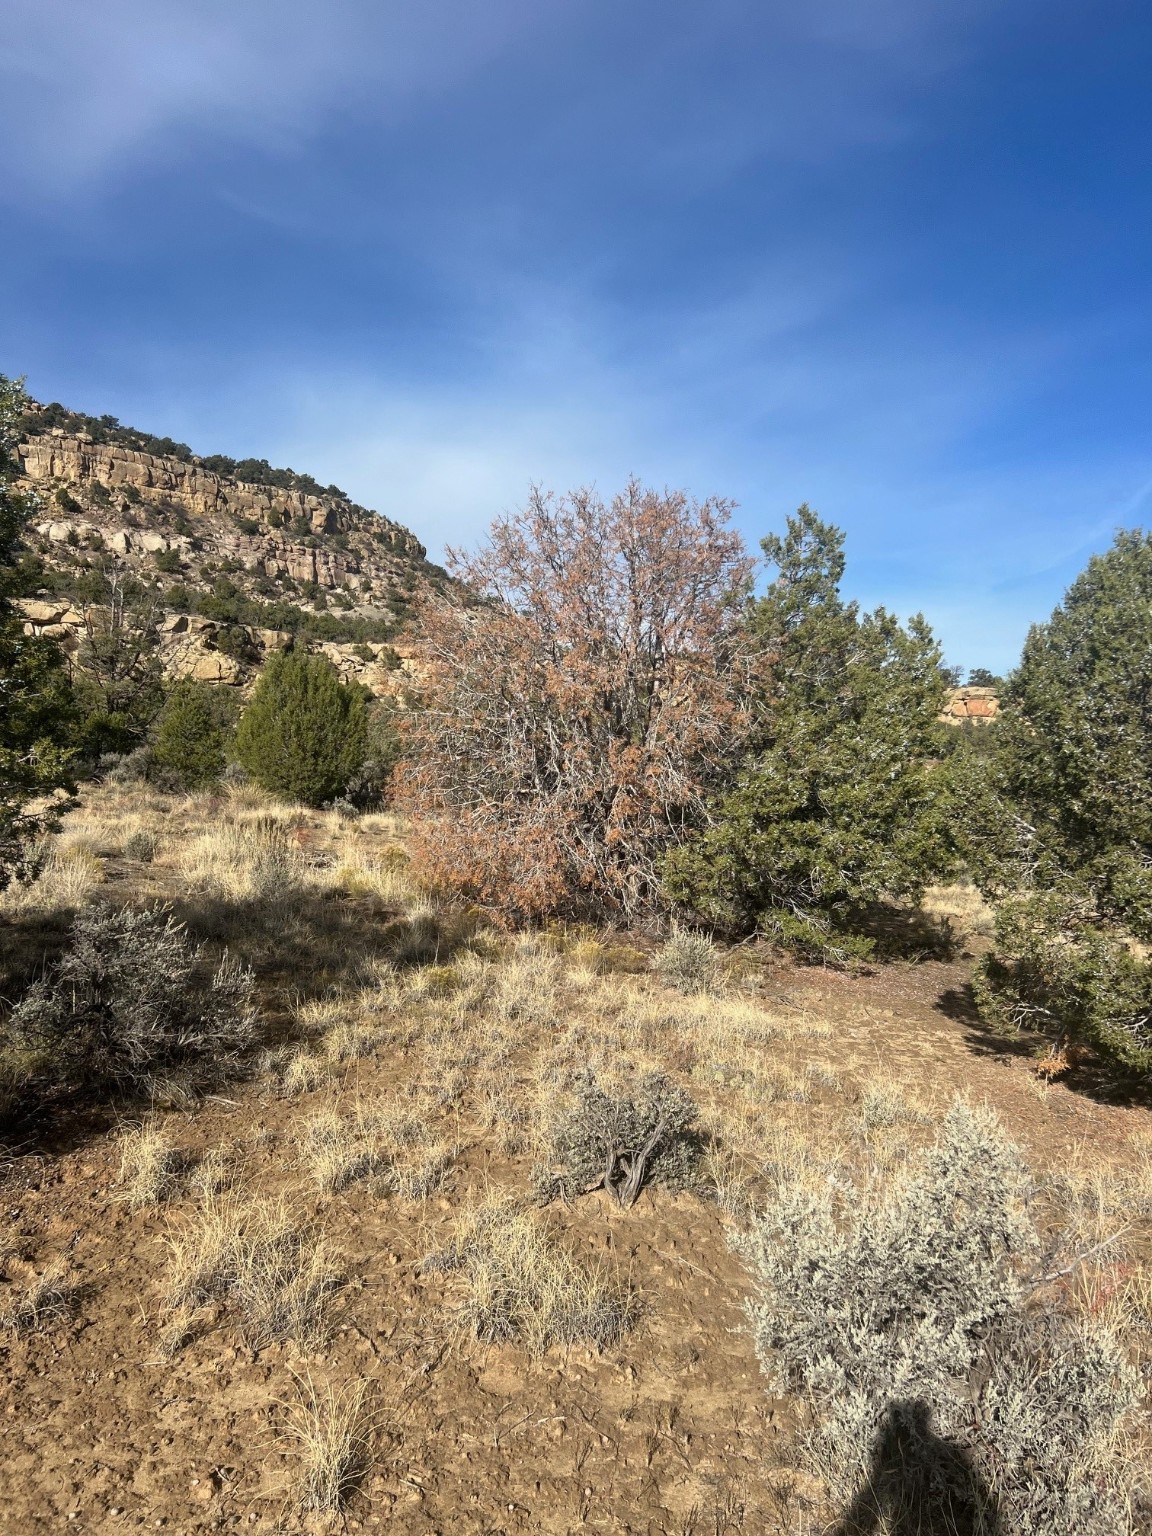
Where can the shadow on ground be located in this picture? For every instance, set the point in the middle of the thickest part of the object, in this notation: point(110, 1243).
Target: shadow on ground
point(1087, 1075)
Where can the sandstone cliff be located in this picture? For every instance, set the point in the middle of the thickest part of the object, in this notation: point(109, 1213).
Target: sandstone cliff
point(238, 568)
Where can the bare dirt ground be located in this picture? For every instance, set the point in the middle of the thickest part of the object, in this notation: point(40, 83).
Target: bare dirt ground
point(113, 1420)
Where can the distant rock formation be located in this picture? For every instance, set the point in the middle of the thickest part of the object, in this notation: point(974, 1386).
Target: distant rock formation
point(970, 706)
point(185, 530)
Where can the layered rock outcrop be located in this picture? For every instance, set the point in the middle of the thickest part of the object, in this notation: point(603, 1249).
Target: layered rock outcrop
point(176, 524)
point(971, 706)
point(65, 460)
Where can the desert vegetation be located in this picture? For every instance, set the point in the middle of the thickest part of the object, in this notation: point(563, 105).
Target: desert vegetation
point(656, 1078)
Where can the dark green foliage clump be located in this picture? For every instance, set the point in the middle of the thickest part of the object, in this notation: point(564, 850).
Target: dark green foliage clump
point(227, 604)
point(37, 710)
point(840, 799)
point(1058, 817)
point(1076, 741)
point(369, 787)
point(621, 1142)
point(132, 1003)
point(1057, 971)
point(304, 734)
point(188, 747)
point(119, 682)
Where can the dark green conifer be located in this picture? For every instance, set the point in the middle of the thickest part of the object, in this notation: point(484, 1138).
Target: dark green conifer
point(37, 710)
point(189, 744)
point(304, 734)
point(839, 800)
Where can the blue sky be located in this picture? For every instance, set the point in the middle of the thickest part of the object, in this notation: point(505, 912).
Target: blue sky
point(890, 257)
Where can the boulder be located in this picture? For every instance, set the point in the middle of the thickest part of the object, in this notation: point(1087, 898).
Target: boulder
point(37, 612)
point(211, 667)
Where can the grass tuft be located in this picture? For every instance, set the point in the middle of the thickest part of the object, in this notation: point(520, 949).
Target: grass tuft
point(334, 1429)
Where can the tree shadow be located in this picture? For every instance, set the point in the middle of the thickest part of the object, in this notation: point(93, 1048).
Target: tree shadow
point(1087, 1073)
point(919, 1484)
point(905, 933)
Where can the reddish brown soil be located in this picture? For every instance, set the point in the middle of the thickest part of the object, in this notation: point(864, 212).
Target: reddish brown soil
point(669, 1432)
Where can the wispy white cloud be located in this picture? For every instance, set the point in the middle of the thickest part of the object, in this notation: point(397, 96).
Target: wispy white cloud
point(88, 89)
point(92, 91)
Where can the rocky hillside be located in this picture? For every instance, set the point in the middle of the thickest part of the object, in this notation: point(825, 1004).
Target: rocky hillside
point(237, 559)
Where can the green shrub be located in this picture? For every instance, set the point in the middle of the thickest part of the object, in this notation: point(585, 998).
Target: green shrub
point(189, 742)
point(305, 733)
point(132, 1004)
point(1056, 817)
point(169, 561)
point(839, 799)
point(1057, 972)
point(369, 787)
point(141, 845)
point(38, 716)
point(897, 1308)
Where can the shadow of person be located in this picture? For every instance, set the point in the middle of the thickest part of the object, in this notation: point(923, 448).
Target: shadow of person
point(919, 1484)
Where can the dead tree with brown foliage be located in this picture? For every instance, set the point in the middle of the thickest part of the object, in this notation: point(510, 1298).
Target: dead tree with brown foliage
point(574, 721)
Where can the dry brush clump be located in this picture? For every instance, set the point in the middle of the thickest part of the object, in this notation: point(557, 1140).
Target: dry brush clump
point(907, 1312)
point(48, 1297)
point(690, 962)
point(150, 1165)
point(132, 1005)
point(333, 1428)
point(620, 1141)
point(575, 724)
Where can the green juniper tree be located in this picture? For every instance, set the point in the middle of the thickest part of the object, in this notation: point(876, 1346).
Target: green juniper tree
point(839, 800)
point(305, 733)
point(189, 741)
point(37, 713)
point(1061, 817)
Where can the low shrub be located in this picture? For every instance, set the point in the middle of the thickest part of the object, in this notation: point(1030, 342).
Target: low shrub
point(49, 1297)
point(906, 1316)
point(621, 1142)
point(689, 962)
point(131, 1004)
point(334, 1430)
point(149, 1164)
point(140, 845)
point(188, 747)
point(304, 734)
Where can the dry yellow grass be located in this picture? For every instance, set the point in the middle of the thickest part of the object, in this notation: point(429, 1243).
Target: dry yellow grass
point(258, 1256)
point(519, 1283)
point(43, 1298)
point(333, 1428)
point(963, 906)
point(69, 872)
point(150, 1164)
point(255, 860)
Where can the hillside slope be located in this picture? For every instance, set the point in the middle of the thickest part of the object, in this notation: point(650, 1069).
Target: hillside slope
point(236, 565)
